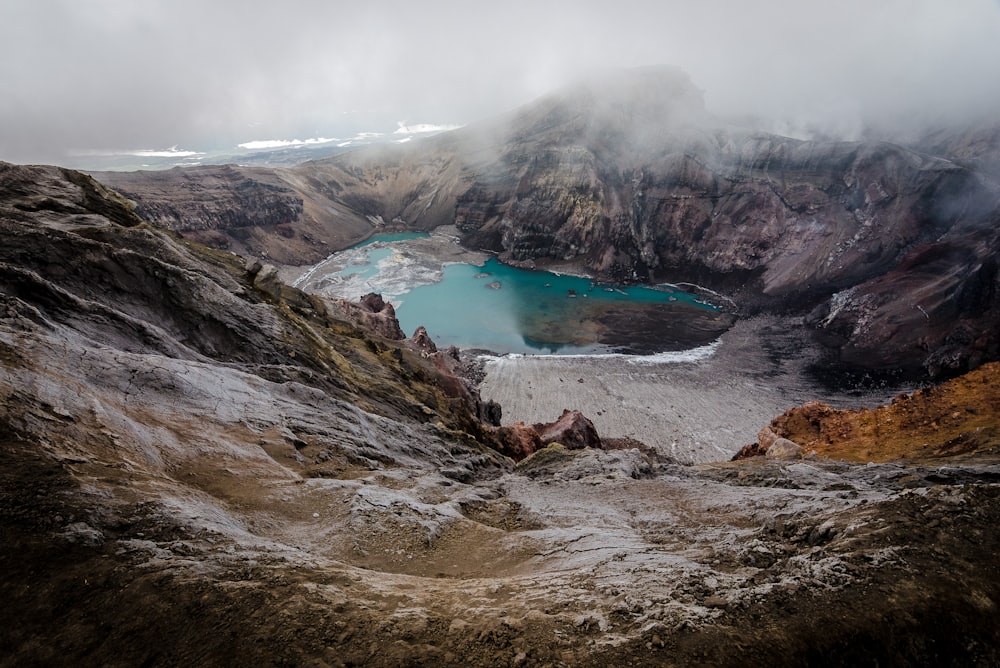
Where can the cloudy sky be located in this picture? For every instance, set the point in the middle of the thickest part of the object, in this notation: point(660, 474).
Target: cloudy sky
point(86, 75)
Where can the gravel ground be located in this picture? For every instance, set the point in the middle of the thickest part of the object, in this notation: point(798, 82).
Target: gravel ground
point(694, 411)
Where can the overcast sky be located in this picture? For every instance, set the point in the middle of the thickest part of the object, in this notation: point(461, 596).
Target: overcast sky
point(79, 75)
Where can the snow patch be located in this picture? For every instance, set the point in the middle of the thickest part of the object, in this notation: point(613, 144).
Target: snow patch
point(260, 144)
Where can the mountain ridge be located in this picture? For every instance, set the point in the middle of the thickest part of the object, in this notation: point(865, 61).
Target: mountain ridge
point(630, 180)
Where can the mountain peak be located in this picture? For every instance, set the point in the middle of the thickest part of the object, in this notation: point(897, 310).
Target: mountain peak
point(660, 97)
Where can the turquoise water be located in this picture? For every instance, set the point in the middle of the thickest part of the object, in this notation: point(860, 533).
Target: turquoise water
point(505, 309)
point(509, 310)
point(369, 268)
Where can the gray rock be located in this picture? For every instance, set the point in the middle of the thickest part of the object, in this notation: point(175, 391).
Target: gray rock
point(782, 448)
point(82, 533)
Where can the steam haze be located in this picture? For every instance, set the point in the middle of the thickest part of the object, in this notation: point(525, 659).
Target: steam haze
point(152, 74)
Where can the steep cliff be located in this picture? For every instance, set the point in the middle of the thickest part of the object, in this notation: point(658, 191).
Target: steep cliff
point(938, 308)
point(252, 211)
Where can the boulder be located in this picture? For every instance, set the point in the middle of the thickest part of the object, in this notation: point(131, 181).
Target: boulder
point(517, 441)
point(782, 448)
point(766, 437)
point(572, 429)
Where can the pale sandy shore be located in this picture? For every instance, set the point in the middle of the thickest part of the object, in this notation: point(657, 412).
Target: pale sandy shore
point(696, 412)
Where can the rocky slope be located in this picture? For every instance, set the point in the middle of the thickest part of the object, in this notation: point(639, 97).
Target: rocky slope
point(939, 307)
point(202, 466)
point(629, 179)
point(958, 418)
point(252, 211)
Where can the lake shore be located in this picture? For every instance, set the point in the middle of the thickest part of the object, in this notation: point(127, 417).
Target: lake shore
point(694, 412)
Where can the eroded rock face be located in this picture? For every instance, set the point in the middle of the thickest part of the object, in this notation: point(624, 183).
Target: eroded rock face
point(224, 198)
point(938, 310)
point(780, 221)
point(259, 212)
point(63, 196)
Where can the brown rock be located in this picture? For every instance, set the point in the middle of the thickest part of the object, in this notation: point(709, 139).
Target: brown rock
point(749, 450)
point(517, 441)
point(422, 340)
point(572, 429)
point(374, 313)
point(373, 302)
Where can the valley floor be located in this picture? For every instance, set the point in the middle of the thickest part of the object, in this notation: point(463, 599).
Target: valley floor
point(693, 412)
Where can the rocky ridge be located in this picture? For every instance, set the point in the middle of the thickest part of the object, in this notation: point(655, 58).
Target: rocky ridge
point(202, 465)
point(253, 211)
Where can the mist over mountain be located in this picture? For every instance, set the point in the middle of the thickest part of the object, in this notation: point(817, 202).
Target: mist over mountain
point(114, 75)
point(202, 465)
point(628, 177)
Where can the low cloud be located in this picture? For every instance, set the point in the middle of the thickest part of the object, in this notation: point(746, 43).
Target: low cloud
point(128, 74)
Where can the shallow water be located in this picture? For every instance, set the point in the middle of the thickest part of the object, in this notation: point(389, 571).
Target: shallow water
point(475, 301)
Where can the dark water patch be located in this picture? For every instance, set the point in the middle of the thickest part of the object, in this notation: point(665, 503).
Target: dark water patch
point(844, 379)
point(643, 329)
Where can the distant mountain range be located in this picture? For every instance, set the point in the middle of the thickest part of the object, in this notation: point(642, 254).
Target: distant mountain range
point(267, 152)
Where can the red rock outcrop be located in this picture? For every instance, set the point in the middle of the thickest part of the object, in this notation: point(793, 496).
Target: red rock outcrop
point(572, 429)
point(958, 417)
